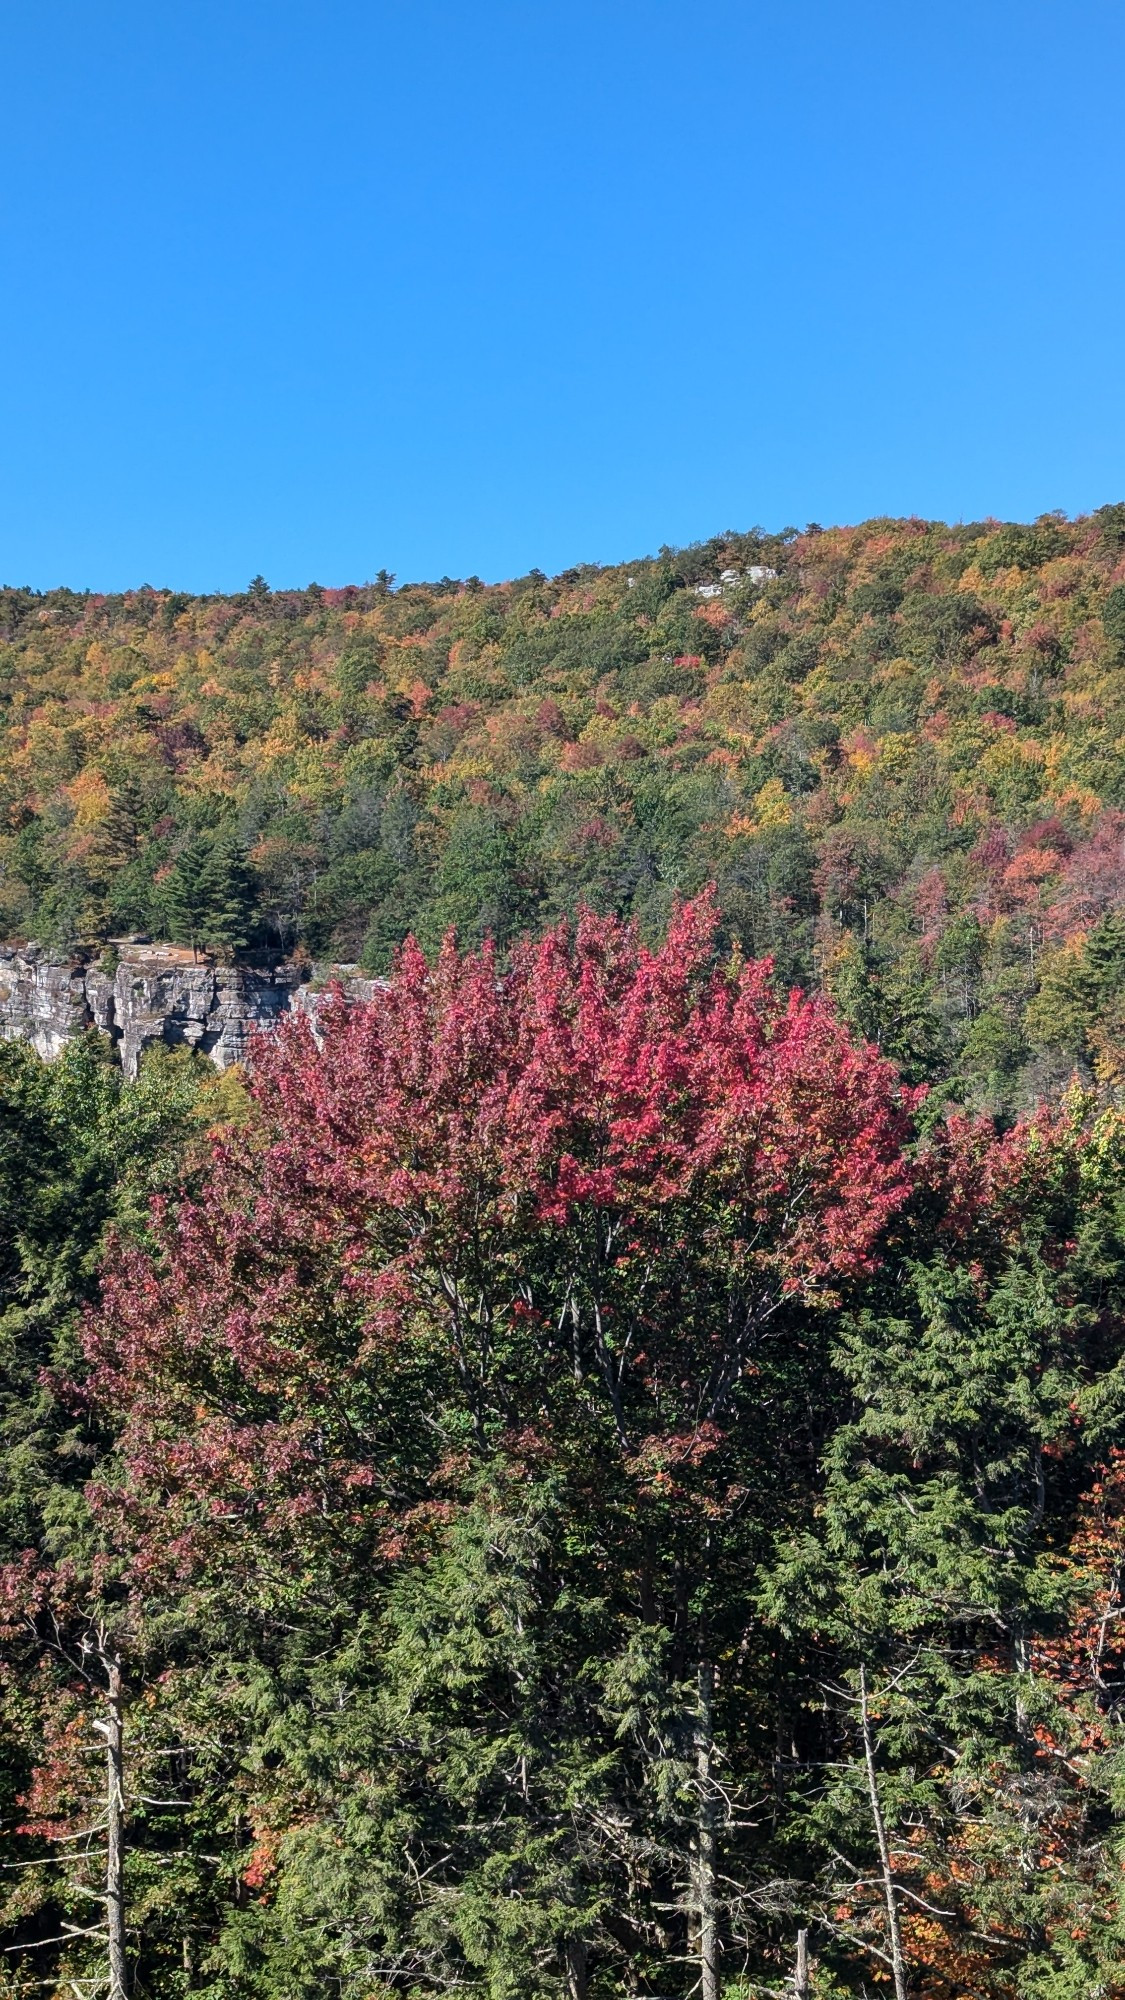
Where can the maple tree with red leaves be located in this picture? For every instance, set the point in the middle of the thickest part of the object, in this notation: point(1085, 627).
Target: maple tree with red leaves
point(587, 1184)
point(548, 1215)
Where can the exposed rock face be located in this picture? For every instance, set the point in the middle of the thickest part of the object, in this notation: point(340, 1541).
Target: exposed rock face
point(307, 1000)
point(41, 1001)
point(158, 993)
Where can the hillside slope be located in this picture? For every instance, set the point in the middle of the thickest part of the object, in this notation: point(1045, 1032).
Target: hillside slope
point(899, 750)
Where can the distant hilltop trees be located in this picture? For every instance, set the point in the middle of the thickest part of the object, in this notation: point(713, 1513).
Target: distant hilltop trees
point(898, 749)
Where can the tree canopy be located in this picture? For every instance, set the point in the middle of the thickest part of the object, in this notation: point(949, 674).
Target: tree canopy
point(589, 1482)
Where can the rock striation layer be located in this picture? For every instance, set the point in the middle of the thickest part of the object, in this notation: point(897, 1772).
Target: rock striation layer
point(155, 993)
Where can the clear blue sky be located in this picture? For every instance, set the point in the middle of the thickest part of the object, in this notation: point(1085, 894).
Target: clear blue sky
point(315, 287)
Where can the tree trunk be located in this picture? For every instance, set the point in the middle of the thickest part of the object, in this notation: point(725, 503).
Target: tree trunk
point(115, 1831)
point(1030, 1842)
point(801, 1981)
point(1021, 1659)
point(577, 1980)
point(705, 1838)
point(894, 1935)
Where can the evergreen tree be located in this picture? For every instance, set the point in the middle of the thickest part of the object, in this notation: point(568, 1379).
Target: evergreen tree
point(953, 1824)
point(82, 1152)
point(207, 896)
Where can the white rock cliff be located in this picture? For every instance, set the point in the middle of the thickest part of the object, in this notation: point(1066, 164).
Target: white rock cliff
point(156, 993)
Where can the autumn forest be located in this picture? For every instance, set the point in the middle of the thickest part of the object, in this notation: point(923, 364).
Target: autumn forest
point(599, 1471)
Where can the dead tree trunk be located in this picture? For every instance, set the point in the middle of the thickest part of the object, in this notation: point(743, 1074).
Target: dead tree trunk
point(801, 1980)
point(705, 1863)
point(894, 1934)
point(577, 1979)
point(112, 1728)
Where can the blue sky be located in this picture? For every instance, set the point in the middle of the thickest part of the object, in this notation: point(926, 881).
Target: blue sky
point(314, 289)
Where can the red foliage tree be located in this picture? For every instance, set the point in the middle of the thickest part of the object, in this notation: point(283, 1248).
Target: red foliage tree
point(553, 1217)
point(568, 1224)
point(573, 1192)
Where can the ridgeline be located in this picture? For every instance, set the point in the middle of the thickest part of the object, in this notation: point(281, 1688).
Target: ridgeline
point(898, 749)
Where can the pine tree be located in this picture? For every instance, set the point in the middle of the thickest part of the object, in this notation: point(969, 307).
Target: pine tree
point(207, 896)
point(950, 1817)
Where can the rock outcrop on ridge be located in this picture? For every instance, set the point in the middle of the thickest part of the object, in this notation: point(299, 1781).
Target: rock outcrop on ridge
point(154, 993)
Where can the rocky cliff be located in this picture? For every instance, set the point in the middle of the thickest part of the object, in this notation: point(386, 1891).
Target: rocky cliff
point(155, 993)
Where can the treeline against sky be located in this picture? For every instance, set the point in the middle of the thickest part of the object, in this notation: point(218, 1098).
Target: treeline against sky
point(898, 749)
point(571, 1488)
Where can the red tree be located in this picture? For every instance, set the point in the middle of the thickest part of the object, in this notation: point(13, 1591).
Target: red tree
point(569, 1223)
point(553, 1215)
point(582, 1185)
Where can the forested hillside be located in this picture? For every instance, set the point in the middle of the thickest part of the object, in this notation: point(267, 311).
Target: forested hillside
point(899, 750)
point(595, 1473)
